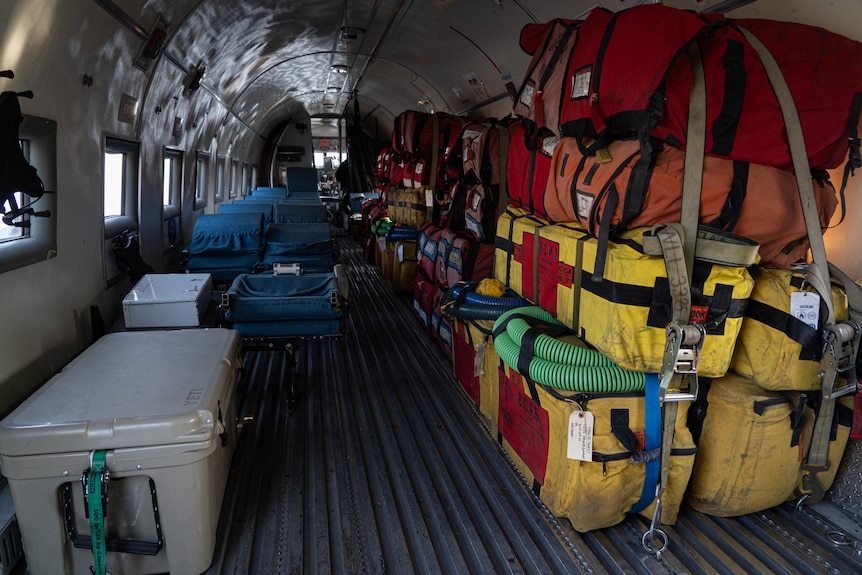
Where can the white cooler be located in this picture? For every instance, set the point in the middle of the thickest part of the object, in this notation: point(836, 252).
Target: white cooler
point(168, 300)
point(161, 403)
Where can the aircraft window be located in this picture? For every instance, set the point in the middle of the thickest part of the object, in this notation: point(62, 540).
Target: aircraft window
point(234, 179)
point(202, 165)
point(252, 180)
point(221, 184)
point(171, 198)
point(120, 194)
point(32, 239)
point(114, 184)
point(245, 188)
point(15, 232)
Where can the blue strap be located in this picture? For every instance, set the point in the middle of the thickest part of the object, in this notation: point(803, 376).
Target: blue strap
point(653, 443)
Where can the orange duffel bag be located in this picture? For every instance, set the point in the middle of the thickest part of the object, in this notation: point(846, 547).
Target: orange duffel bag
point(595, 191)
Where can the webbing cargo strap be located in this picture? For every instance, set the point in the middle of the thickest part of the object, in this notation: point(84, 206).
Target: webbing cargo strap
point(684, 341)
point(842, 340)
point(96, 485)
point(652, 442)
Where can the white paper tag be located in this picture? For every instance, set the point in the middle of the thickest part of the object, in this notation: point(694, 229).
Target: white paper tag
point(580, 444)
point(584, 204)
point(429, 197)
point(381, 243)
point(400, 253)
point(805, 306)
point(528, 92)
point(581, 83)
point(479, 360)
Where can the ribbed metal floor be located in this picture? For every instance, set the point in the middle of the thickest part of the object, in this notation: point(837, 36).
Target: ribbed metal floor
point(382, 466)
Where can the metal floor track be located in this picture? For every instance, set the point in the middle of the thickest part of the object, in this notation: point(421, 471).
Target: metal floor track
point(383, 466)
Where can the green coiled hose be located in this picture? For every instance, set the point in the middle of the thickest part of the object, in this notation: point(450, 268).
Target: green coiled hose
point(557, 363)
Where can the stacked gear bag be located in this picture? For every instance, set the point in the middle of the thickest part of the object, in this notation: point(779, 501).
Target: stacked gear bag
point(584, 431)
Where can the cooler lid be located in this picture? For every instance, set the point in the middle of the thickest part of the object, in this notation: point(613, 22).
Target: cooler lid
point(167, 288)
point(129, 389)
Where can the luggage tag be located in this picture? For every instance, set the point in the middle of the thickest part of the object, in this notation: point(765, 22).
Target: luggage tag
point(805, 306)
point(479, 360)
point(580, 443)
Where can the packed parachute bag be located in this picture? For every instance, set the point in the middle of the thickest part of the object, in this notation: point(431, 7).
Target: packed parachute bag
point(17, 177)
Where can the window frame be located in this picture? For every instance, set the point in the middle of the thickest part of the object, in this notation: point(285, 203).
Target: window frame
point(202, 164)
point(172, 209)
point(221, 182)
point(112, 225)
point(128, 220)
point(40, 242)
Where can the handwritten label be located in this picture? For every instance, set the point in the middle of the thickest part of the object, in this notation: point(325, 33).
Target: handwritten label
point(580, 445)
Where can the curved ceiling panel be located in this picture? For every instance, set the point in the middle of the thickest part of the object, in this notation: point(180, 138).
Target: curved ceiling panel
point(269, 61)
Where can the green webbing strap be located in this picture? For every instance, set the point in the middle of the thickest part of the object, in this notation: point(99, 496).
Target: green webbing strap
point(671, 238)
point(818, 272)
point(695, 147)
point(678, 243)
point(96, 480)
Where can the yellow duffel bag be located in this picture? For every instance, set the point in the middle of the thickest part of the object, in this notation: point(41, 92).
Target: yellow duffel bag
point(776, 347)
point(534, 428)
point(624, 311)
point(516, 250)
point(842, 421)
point(750, 448)
point(407, 206)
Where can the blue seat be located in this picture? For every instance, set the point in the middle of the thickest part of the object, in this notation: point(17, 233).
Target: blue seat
point(309, 245)
point(226, 245)
point(266, 208)
point(267, 305)
point(300, 212)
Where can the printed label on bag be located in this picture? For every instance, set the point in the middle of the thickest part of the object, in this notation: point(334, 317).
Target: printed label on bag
point(580, 445)
point(805, 306)
point(524, 424)
point(581, 83)
point(429, 197)
point(549, 144)
point(549, 267)
point(527, 94)
point(584, 205)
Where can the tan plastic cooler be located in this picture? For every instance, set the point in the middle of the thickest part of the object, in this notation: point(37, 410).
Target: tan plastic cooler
point(161, 404)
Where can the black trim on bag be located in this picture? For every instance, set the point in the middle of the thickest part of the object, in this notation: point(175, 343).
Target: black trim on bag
point(800, 332)
point(725, 126)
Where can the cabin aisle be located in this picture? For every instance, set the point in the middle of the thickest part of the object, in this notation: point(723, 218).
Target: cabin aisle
point(380, 467)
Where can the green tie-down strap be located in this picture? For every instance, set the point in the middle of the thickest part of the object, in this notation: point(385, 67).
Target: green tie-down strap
point(97, 481)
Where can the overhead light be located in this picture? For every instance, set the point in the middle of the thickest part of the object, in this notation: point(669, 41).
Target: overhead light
point(333, 89)
point(340, 68)
point(329, 105)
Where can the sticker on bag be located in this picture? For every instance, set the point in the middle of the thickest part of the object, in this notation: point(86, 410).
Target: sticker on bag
point(805, 306)
point(527, 94)
point(581, 83)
